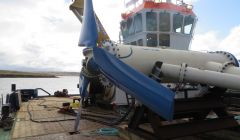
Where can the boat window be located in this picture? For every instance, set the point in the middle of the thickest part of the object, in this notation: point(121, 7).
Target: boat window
point(177, 23)
point(124, 29)
point(151, 21)
point(188, 23)
point(134, 43)
point(130, 26)
point(140, 42)
point(164, 21)
point(152, 40)
point(164, 40)
point(138, 23)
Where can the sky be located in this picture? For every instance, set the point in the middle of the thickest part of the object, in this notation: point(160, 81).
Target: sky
point(42, 35)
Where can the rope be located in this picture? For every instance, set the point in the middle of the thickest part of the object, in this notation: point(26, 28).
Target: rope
point(101, 132)
point(237, 117)
point(108, 131)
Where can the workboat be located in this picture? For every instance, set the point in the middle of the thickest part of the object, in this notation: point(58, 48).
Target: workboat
point(149, 85)
point(158, 24)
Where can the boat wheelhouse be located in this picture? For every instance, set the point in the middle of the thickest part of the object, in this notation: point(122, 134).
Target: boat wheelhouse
point(158, 23)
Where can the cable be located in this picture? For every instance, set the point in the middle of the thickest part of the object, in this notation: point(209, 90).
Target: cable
point(115, 122)
point(36, 121)
point(46, 106)
point(85, 116)
point(98, 116)
point(96, 112)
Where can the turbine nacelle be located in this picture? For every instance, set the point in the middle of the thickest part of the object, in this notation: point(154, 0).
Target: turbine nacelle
point(177, 64)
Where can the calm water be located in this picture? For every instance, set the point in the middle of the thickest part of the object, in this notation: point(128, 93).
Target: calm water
point(49, 84)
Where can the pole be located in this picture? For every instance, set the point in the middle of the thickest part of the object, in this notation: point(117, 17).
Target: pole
point(13, 88)
point(78, 118)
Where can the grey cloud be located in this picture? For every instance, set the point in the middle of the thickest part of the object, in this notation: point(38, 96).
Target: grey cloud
point(2, 57)
point(9, 28)
point(28, 68)
point(53, 20)
point(28, 3)
point(33, 49)
point(67, 27)
point(37, 34)
point(62, 25)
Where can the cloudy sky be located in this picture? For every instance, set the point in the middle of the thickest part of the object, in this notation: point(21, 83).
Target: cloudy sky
point(43, 34)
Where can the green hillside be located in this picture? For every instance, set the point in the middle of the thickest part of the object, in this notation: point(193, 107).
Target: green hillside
point(20, 74)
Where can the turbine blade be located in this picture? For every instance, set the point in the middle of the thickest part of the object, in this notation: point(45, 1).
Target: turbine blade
point(89, 33)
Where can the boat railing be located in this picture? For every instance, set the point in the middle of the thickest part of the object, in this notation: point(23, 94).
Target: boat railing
point(1, 99)
point(49, 94)
point(132, 4)
point(137, 2)
point(1, 104)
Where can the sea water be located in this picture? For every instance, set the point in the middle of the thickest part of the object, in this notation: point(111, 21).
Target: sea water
point(49, 84)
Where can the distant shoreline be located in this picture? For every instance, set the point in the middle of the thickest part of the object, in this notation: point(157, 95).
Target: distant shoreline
point(21, 74)
point(26, 76)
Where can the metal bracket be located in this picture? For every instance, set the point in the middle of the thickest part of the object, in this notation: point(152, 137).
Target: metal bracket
point(156, 73)
point(182, 72)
